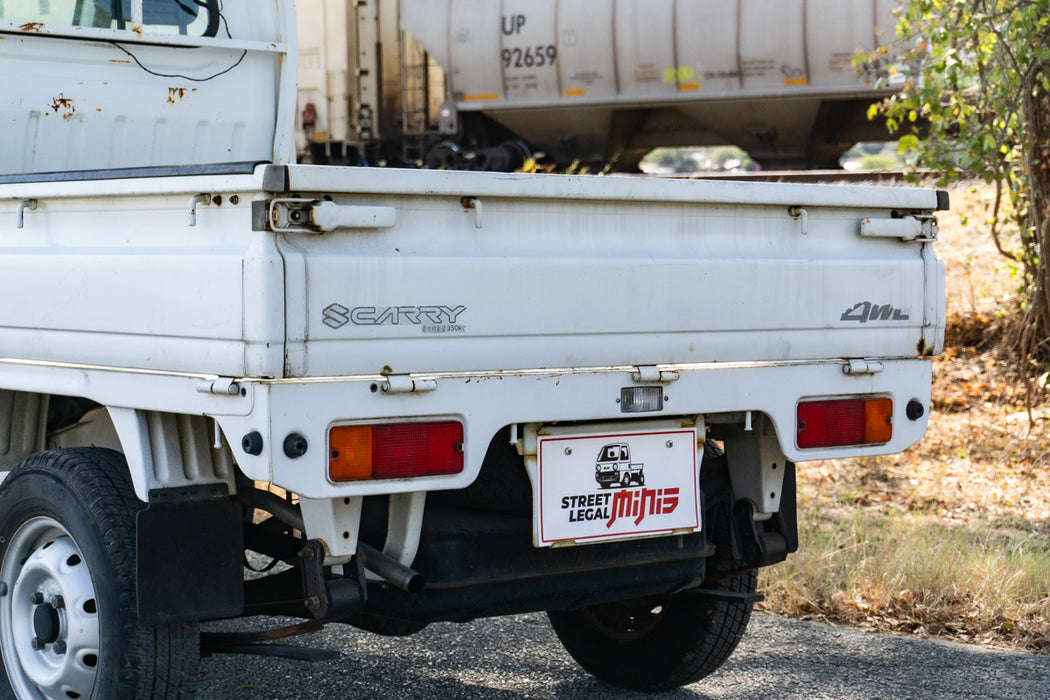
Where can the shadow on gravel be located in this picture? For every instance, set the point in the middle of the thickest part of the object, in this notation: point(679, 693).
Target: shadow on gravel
point(587, 687)
point(519, 657)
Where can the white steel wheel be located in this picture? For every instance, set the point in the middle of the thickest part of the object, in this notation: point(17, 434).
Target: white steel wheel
point(49, 614)
point(69, 627)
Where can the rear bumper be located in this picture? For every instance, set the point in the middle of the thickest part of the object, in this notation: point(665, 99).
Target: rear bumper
point(485, 402)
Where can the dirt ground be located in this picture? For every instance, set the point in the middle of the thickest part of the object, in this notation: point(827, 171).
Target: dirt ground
point(983, 467)
point(982, 456)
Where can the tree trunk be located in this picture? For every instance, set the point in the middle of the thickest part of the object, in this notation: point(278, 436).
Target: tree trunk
point(1035, 332)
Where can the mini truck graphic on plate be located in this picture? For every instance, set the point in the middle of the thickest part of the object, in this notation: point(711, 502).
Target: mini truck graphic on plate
point(570, 508)
point(613, 466)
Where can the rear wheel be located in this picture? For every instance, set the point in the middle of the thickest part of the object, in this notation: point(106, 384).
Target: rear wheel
point(658, 643)
point(68, 618)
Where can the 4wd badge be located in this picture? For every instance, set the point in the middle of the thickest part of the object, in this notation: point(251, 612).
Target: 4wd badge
point(601, 487)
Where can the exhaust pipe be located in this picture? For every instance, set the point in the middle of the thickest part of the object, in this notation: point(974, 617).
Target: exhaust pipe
point(390, 570)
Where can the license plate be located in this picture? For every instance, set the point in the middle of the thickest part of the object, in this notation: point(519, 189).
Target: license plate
point(614, 486)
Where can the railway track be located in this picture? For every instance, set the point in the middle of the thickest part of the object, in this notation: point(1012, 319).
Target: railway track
point(815, 176)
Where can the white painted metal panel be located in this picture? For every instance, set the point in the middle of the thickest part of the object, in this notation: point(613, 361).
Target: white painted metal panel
point(428, 20)
point(586, 60)
point(646, 58)
point(488, 402)
point(325, 65)
point(706, 35)
point(84, 98)
point(529, 49)
point(121, 279)
point(542, 314)
point(634, 281)
point(886, 21)
point(831, 53)
point(646, 66)
point(661, 46)
point(474, 51)
point(772, 49)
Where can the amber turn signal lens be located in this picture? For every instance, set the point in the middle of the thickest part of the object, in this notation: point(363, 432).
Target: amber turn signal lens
point(350, 452)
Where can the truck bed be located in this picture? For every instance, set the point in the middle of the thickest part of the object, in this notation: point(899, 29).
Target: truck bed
point(584, 271)
point(545, 272)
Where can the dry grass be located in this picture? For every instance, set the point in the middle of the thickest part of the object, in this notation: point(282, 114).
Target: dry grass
point(952, 537)
point(916, 574)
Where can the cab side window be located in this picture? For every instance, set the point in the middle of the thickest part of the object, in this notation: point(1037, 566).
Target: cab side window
point(185, 17)
point(46, 11)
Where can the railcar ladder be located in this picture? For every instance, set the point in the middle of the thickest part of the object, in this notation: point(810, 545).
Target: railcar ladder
point(415, 99)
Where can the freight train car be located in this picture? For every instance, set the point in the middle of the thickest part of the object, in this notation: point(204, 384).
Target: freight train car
point(483, 84)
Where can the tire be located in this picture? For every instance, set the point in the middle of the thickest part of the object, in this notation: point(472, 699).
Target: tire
point(659, 643)
point(67, 531)
point(641, 479)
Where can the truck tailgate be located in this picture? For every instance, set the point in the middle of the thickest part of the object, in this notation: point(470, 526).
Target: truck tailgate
point(442, 271)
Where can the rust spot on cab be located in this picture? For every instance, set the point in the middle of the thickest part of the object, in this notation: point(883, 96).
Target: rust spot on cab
point(175, 92)
point(31, 26)
point(64, 105)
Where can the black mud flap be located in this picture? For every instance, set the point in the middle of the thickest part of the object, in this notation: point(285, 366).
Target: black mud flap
point(190, 556)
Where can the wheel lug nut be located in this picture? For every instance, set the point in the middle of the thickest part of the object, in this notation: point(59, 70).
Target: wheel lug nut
point(36, 644)
point(59, 647)
point(57, 602)
point(36, 598)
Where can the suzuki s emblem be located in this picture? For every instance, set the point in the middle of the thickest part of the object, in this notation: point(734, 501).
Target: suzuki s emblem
point(336, 316)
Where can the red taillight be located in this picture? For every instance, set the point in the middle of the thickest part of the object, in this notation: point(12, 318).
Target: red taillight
point(394, 450)
point(844, 422)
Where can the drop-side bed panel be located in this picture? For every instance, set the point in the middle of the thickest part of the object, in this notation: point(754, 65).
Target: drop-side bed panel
point(566, 272)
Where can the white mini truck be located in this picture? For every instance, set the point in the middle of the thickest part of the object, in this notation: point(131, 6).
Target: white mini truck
point(390, 386)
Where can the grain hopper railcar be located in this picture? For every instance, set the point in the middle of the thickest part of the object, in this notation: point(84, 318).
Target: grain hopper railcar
point(482, 84)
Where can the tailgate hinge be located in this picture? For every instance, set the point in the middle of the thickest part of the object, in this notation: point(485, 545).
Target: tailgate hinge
point(406, 384)
point(859, 367)
point(221, 386)
point(652, 373)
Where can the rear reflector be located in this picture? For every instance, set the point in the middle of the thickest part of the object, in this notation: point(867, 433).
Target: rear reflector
point(844, 422)
point(394, 450)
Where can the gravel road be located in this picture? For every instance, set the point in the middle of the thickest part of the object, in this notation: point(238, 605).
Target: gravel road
point(519, 657)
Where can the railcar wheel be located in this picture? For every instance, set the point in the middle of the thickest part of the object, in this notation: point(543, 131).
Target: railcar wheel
point(657, 643)
point(68, 615)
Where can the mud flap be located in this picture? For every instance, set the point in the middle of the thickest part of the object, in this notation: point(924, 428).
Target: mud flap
point(189, 556)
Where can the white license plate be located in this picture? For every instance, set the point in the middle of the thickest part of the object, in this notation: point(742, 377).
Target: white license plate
point(614, 486)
